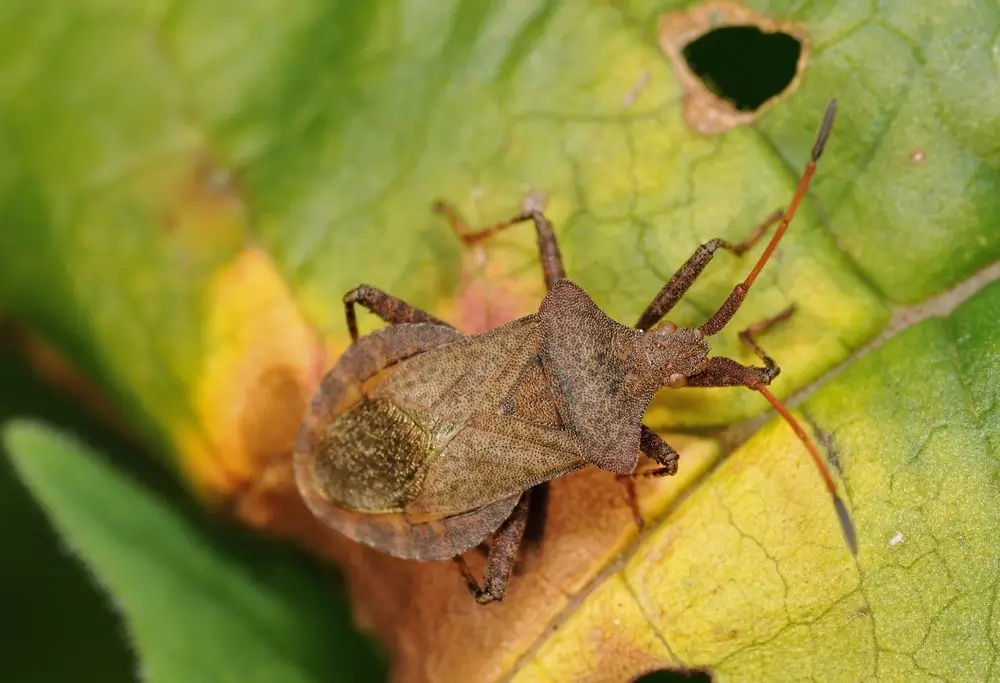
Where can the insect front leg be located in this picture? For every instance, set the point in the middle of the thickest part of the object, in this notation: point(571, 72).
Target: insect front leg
point(749, 338)
point(660, 452)
point(678, 285)
point(501, 557)
point(391, 309)
point(720, 372)
point(726, 372)
point(552, 264)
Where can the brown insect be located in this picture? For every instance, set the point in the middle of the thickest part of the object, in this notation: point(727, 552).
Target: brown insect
point(423, 442)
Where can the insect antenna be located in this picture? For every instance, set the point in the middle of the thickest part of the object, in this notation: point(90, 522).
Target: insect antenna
point(724, 314)
point(846, 525)
point(800, 192)
point(728, 309)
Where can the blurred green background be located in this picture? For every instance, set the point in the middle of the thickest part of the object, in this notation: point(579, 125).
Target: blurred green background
point(55, 619)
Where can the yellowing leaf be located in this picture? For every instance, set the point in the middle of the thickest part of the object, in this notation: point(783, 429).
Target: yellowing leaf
point(748, 575)
point(255, 381)
point(187, 192)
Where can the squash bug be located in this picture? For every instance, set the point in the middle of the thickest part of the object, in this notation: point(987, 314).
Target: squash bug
point(423, 442)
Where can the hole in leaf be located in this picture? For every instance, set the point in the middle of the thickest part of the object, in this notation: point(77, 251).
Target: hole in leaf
point(744, 65)
point(671, 676)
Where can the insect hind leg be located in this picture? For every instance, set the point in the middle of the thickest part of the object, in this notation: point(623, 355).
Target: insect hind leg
point(534, 531)
point(501, 557)
point(389, 308)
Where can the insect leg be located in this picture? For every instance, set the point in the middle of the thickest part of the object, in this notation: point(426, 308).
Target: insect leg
point(389, 308)
point(535, 529)
point(631, 498)
point(552, 265)
point(500, 561)
point(725, 372)
point(749, 337)
point(660, 452)
point(732, 303)
point(685, 276)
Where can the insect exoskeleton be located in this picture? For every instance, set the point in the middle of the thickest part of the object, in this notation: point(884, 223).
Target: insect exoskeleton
point(422, 442)
point(407, 447)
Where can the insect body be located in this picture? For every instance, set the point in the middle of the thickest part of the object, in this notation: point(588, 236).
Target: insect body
point(408, 448)
point(423, 442)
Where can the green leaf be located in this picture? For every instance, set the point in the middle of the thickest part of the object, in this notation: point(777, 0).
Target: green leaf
point(336, 142)
point(910, 192)
point(62, 622)
point(916, 429)
point(769, 586)
point(197, 608)
point(187, 191)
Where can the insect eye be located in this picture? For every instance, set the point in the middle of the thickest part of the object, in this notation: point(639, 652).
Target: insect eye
point(677, 380)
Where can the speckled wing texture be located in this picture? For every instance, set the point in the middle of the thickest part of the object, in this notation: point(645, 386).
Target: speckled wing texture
point(432, 539)
point(457, 393)
point(494, 456)
point(470, 376)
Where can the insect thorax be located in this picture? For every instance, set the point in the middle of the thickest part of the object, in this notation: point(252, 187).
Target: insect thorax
point(371, 457)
